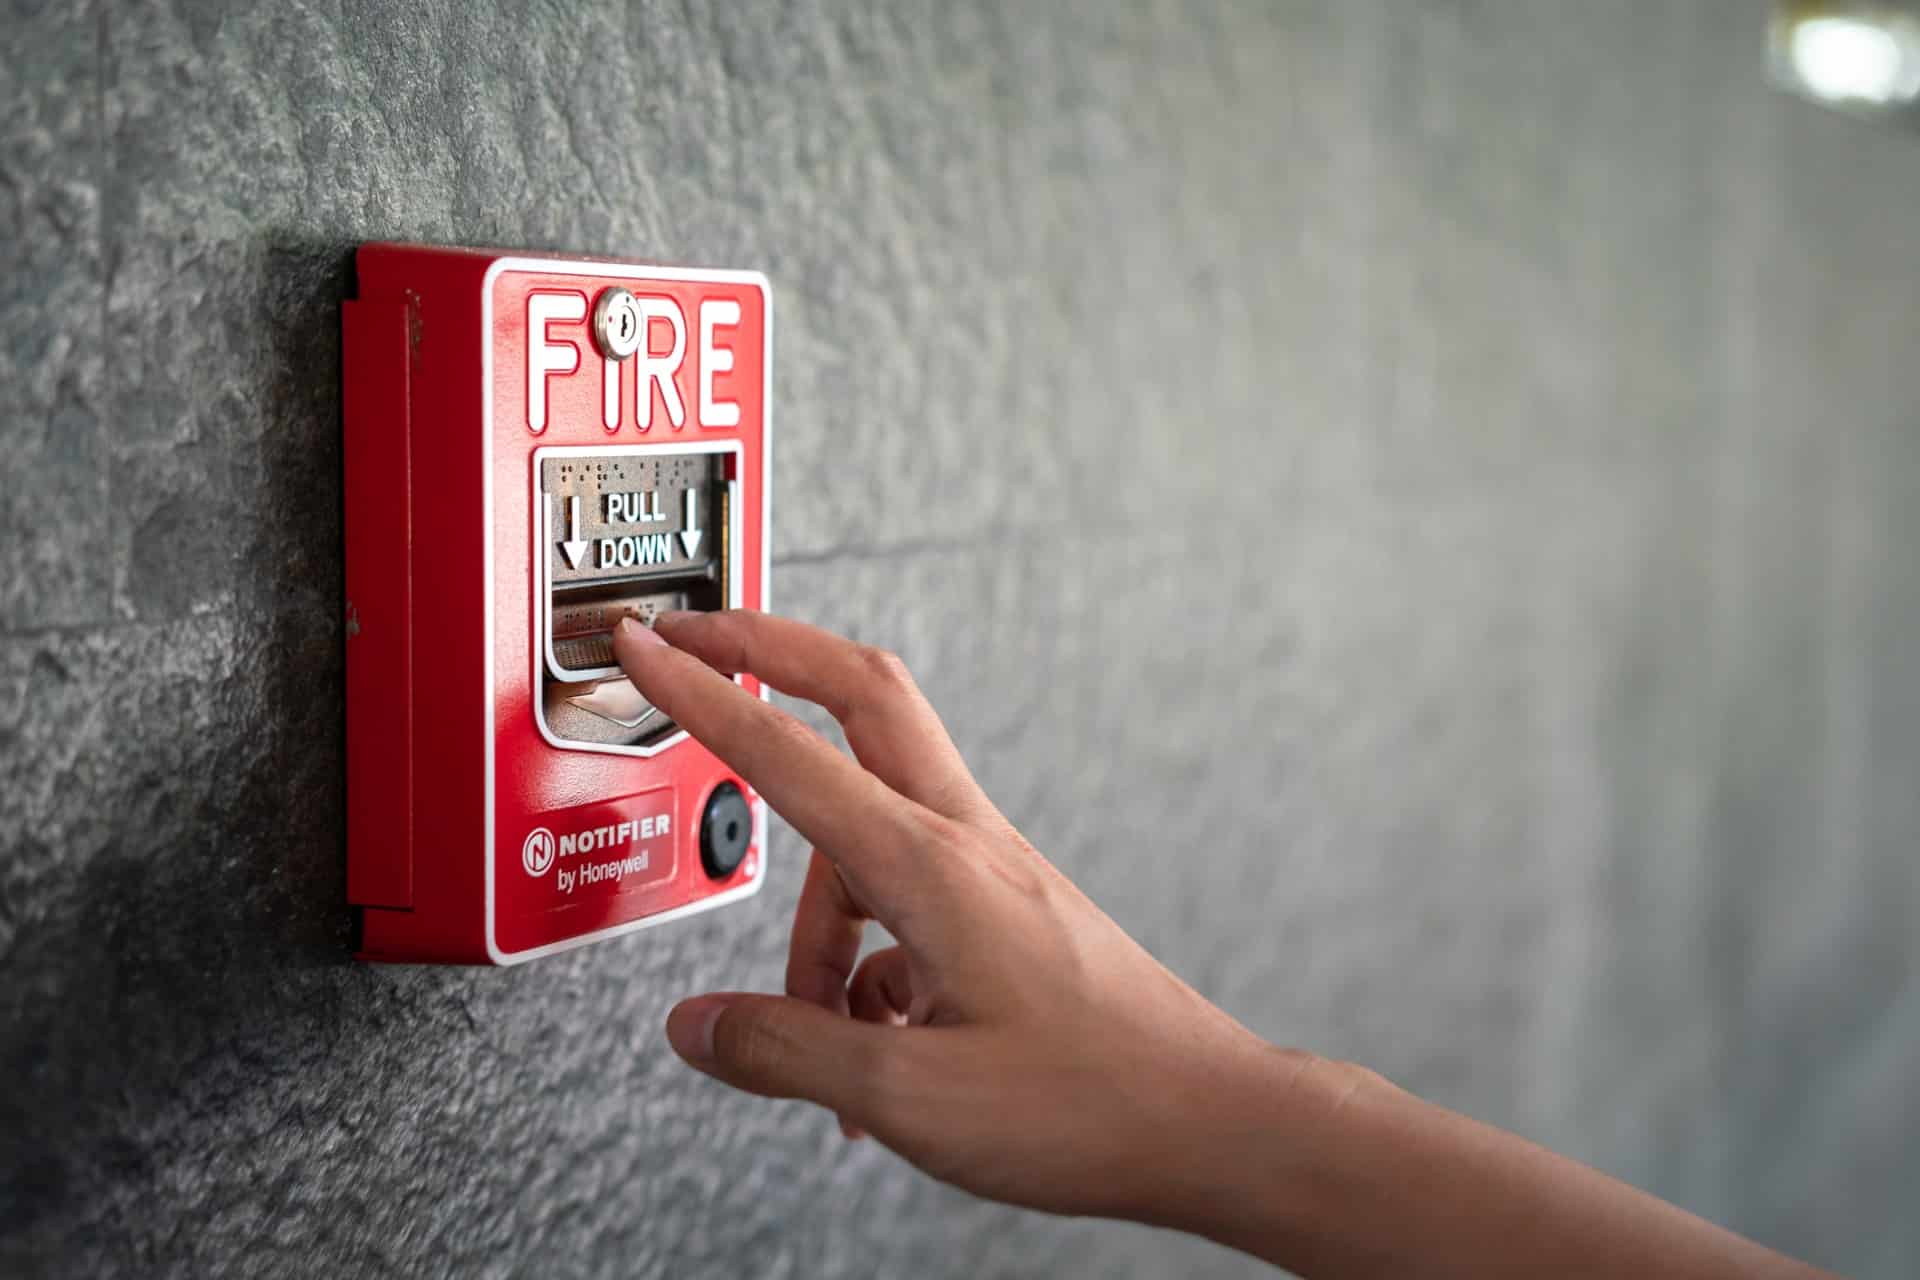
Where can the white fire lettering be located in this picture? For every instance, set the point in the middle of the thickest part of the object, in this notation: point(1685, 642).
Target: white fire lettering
point(656, 373)
point(545, 357)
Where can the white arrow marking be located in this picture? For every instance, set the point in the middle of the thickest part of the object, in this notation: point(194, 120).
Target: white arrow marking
point(690, 536)
point(574, 546)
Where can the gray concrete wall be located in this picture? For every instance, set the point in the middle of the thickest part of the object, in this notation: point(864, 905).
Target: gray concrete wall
point(1413, 506)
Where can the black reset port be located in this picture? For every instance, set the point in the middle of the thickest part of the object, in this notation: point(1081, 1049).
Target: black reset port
point(726, 829)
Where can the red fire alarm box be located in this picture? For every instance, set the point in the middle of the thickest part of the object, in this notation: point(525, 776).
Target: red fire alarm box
point(535, 448)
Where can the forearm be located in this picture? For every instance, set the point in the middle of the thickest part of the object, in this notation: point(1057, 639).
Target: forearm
point(1336, 1173)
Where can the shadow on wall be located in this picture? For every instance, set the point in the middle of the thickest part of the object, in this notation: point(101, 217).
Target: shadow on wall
point(205, 948)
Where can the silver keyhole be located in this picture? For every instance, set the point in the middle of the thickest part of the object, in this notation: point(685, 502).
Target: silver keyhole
point(616, 323)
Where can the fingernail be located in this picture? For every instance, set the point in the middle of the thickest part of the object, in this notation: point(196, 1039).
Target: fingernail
point(674, 617)
point(633, 632)
point(690, 1029)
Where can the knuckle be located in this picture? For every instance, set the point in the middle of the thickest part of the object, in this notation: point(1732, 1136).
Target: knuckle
point(724, 635)
point(783, 735)
point(755, 727)
point(955, 840)
point(885, 668)
point(870, 979)
point(1017, 868)
point(929, 839)
point(1025, 878)
point(747, 639)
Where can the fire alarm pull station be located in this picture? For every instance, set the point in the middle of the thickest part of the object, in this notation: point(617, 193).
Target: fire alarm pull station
point(537, 448)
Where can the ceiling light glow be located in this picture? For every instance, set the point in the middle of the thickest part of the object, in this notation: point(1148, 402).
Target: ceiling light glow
point(1858, 55)
point(1851, 59)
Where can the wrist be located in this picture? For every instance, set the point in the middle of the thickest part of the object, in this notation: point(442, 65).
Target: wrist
point(1278, 1145)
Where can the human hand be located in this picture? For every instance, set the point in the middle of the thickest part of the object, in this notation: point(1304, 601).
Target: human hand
point(1016, 1042)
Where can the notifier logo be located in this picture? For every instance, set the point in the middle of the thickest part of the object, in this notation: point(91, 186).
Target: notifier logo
point(612, 853)
point(536, 855)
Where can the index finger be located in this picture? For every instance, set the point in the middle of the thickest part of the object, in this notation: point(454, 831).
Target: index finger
point(889, 723)
point(869, 830)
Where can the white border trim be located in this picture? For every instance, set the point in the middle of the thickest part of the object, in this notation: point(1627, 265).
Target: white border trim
point(625, 271)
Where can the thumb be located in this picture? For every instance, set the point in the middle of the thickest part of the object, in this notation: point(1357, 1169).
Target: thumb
point(780, 1047)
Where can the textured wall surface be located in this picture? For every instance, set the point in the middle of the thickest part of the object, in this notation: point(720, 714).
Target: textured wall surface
point(1413, 506)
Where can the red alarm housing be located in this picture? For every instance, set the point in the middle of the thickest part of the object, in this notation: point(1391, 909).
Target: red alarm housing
point(537, 447)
